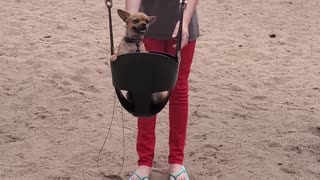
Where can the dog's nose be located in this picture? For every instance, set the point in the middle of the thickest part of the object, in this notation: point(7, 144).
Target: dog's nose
point(143, 26)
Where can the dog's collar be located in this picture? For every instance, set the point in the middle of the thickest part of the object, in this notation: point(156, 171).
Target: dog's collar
point(133, 40)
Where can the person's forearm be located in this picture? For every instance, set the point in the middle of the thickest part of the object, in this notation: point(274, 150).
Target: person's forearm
point(132, 6)
point(189, 10)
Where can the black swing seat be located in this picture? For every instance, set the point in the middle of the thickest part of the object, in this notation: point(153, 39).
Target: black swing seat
point(142, 74)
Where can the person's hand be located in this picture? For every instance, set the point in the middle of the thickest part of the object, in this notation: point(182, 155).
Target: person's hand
point(185, 34)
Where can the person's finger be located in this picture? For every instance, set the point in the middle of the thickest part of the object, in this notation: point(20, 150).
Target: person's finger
point(184, 40)
point(174, 46)
point(176, 30)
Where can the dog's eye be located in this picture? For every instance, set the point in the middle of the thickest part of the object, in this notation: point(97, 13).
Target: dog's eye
point(147, 21)
point(135, 21)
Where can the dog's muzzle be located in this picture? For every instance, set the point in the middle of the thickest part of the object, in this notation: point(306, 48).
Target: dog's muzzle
point(141, 29)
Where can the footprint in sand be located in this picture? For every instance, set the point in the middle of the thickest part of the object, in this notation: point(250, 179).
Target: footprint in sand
point(290, 148)
point(314, 149)
point(158, 174)
point(288, 170)
point(207, 154)
point(80, 79)
point(100, 70)
point(274, 145)
point(41, 113)
point(91, 89)
point(10, 139)
point(259, 98)
point(315, 130)
point(200, 136)
point(66, 83)
point(59, 178)
point(64, 110)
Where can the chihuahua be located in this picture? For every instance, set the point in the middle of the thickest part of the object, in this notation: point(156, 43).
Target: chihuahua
point(136, 26)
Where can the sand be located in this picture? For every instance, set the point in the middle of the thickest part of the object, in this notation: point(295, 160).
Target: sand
point(254, 93)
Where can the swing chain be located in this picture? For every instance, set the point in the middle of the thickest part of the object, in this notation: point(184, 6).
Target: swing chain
point(182, 5)
point(109, 6)
point(109, 3)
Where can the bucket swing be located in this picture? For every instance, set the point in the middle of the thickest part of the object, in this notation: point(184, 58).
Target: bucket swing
point(143, 74)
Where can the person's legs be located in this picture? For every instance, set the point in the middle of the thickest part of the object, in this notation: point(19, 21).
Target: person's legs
point(146, 140)
point(146, 127)
point(178, 115)
point(145, 147)
point(178, 109)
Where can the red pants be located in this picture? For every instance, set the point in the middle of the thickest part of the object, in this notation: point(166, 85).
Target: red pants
point(178, 108)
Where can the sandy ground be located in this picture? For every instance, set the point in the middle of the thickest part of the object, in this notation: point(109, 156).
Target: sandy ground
point(254, 93)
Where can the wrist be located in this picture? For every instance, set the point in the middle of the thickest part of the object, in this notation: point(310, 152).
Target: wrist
point(189, 10)
point(132, 6)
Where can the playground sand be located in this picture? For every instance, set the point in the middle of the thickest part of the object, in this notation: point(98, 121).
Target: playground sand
point(254, 93)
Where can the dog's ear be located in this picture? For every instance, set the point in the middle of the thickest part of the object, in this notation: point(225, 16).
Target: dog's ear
point(152, 19)
point(123, 15)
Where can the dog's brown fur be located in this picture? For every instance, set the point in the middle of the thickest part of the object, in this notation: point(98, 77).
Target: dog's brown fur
point(136, 26)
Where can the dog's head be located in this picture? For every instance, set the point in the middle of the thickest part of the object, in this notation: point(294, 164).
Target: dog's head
point(136, 24)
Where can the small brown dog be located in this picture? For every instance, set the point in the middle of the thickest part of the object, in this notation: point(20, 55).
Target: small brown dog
point(136, 26)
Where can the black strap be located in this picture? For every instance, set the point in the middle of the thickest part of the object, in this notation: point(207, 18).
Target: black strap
point(109, 6)
point(182, 5)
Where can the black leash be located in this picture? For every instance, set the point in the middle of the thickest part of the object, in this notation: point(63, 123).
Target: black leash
point(113, 176)
point(109, 175)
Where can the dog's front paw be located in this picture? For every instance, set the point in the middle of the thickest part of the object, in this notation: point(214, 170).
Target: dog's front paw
point(113, 57)
point(159, 97)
